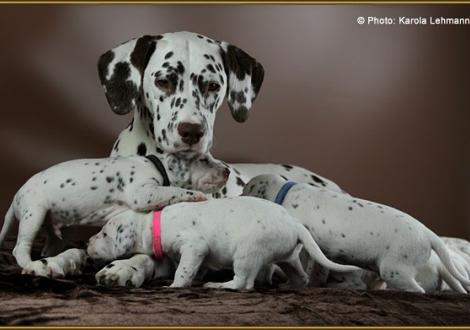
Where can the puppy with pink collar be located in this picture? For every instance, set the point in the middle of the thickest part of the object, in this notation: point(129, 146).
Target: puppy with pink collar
point(243, 233)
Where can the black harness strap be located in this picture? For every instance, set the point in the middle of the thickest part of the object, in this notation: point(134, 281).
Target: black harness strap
point(159, 165)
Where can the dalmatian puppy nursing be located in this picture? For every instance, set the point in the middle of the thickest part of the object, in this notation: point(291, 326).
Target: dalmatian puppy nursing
point(245, 233)
point(373, 236)
point(91, 191)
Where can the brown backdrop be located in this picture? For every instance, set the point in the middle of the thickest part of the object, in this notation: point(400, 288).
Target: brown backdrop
point(381, 110)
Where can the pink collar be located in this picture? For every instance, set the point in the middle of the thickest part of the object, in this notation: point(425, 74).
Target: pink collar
point(157, 235)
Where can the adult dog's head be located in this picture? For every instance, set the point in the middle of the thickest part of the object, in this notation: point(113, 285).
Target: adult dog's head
point(176, 82)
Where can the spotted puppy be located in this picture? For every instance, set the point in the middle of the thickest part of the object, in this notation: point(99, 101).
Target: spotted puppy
point(432, 277)
point(243, 232)
point(359, 232)
point(91, 191)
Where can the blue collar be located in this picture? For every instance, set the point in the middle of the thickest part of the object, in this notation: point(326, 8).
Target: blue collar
point(283, 192)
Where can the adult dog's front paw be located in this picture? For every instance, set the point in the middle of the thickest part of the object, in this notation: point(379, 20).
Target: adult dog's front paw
point(120, 273)
point(196, 196)
point(45, 268)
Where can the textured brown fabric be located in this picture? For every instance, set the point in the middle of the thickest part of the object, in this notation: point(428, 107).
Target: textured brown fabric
point(28, 300)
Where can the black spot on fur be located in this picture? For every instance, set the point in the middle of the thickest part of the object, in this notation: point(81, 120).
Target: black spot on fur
point(318, 180)
point(120, 92)
point(116, 145)
point(240, 182)
point(287, 167)
point(238, 96)
point(240, 63)
point(143, 50)
point(142, 149)
point(210, 68)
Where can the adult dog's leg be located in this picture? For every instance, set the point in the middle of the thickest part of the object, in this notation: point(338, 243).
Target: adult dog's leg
point(151, 196)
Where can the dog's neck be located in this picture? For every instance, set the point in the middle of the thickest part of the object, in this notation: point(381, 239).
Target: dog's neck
point(144, 244)
point(143, 233)
point(272, 189)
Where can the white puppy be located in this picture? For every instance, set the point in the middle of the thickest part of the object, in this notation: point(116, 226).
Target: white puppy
point(243, 232)
point(91, 191)
point(432, 277)
point(354, 231)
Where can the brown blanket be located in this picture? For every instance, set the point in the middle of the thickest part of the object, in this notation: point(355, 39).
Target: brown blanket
point(27, 300)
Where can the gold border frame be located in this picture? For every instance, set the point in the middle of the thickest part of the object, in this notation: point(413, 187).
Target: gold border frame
point(232, 327)
point(242, 2)
point(233, 2)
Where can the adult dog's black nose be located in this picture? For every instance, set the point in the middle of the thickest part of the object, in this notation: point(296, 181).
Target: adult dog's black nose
point(190, 133)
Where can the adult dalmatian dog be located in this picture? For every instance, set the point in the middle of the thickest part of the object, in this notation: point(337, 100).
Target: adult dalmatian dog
point(175, 83)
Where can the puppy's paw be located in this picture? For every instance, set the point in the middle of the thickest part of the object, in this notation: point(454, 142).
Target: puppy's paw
point(45, 268)
point(120, 273)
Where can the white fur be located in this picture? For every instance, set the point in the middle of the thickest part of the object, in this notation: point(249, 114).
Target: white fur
point(70, 262)
point(432, 277)
point(189, 49)
point(359, 232)
point(91, 191)
point(244, 233)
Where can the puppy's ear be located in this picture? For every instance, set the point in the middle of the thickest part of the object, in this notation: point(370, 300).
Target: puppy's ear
point(245, 76)
point(121, 70)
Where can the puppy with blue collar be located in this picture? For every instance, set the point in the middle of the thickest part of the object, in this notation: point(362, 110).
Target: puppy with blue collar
point(243, 233)
point(373, 236)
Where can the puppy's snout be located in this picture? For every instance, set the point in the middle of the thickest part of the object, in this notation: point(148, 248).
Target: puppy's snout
point(190, 133)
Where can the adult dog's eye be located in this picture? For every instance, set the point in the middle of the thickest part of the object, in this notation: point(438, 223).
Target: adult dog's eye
point(165, 85)
point(213, 87)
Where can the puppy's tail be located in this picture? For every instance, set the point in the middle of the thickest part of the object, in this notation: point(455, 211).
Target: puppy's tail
point(317, 255)
point(9, 218)
point(451, 281)
point(441, 250)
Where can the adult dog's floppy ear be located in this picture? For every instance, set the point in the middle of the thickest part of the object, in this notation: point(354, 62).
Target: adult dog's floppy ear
point(245, 76)
point(121, 70)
